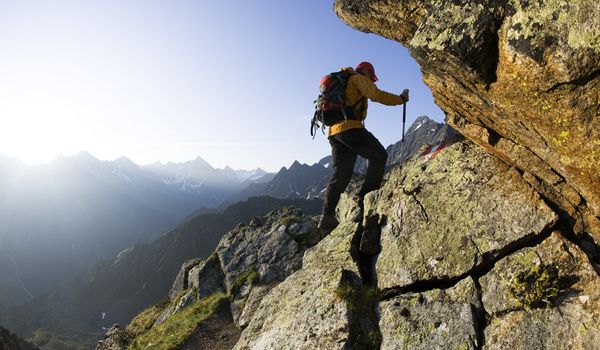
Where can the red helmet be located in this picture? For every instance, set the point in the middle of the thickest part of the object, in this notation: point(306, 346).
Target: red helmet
point(366, 66)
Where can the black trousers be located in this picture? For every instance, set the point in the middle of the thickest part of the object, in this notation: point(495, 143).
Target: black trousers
point(345, 147)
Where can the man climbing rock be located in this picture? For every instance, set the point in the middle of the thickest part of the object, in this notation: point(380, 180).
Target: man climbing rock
point(349, 139)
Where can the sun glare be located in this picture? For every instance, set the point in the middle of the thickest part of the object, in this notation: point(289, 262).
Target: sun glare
point(37, 130)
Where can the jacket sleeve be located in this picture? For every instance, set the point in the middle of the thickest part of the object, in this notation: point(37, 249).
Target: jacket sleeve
point(369, 90)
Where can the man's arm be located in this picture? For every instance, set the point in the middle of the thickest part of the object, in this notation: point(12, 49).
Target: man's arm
point(369, 90)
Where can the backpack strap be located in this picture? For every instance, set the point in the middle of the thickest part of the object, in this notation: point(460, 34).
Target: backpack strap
point(359, 110)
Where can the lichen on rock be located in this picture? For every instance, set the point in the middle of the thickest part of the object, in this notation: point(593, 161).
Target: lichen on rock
point(449, 215)
point(305, 311)
point(520, 78)
point(439, 319)
point(570, 316)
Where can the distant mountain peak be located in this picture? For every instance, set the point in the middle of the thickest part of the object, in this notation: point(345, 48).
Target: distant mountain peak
point(421, 121)
point(423, 118)
point(295, 164)
point(124, 160)
point(199, 160)
point(84, 155)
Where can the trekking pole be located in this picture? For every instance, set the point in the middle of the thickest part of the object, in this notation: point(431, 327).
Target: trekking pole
point(403, 119)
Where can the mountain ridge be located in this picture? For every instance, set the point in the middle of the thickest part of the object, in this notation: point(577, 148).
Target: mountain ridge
point(96, 207)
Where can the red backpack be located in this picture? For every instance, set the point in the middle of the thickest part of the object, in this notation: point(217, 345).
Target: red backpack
point(329, 105)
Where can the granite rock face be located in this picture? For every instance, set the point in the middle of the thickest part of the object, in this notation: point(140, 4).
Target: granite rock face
point(438, 319)
point(248, 262)
point(571, 319)
point(464, 241)
point(10, 341)
point(463, 200)
point(116, 338)
point(265, 252)
point(458, 226)
point(463, 232)
point(472, 258)
point(520, 78)
point(304, 311)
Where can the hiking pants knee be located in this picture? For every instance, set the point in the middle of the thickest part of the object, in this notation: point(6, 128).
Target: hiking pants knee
point(345, 147)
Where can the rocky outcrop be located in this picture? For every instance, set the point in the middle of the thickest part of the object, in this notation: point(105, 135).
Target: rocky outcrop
point(519, 78)
point(465, 201)
point(115, 291)
point(10, 341)
point(470, 226)
point(263, 253)
point(461, 233)
point(248, 262)
point(307, 311)
point(116, 338)
point(471, 257)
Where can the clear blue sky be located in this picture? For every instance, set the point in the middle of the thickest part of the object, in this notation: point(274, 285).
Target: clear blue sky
point(230, 81)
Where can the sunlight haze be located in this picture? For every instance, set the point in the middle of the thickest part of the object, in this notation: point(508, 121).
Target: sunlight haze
point(232, 82)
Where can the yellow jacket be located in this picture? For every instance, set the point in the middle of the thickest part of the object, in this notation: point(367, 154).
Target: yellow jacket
point(361, 87)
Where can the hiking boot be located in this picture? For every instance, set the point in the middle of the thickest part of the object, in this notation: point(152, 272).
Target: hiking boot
point(370, 244)
point(328, 222)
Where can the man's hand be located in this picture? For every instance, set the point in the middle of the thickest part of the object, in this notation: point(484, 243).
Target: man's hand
point(404, 95)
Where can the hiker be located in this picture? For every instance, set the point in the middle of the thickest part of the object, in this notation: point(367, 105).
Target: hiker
point(349, 139)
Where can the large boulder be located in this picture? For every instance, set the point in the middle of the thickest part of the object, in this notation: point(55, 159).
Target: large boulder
point(116, 338)
point(248, 262)
point(263, 253)
point(307, 310)
point(206, 277)
point(520, 78)
point(181, 282)
point(453, 214)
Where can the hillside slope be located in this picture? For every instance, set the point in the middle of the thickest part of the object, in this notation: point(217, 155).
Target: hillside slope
point(114, 291)
point(471, 257)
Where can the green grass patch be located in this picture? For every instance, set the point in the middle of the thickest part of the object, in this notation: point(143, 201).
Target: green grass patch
point(145, 320)
point(177, 328)
point(249, 276)
point(50, 340)
point(535, 288)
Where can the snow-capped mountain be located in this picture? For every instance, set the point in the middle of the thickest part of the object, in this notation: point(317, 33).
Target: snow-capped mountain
point(199, 176)
point(256, 175)
point(74, 211)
